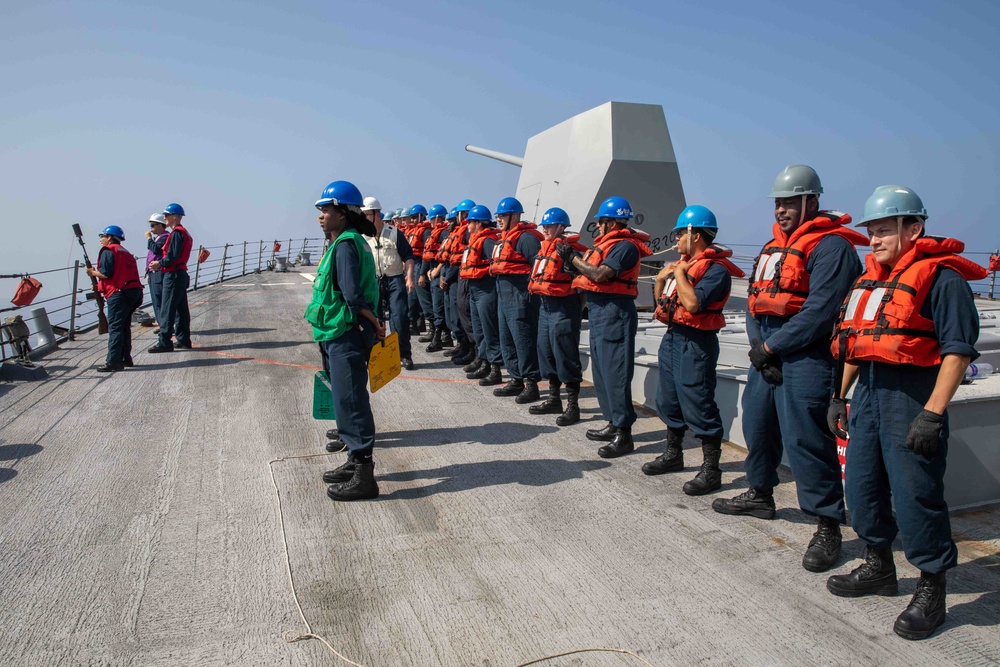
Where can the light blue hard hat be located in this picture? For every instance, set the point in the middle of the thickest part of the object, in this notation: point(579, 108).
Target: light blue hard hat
point(890, 201)
point(480, 213)
point(114, 230)
point(173, 209)
point(452, 214)
point(390, 216)
point(796, 180)
point(465, 206)
point(418, 209)
point(437, 211)
point(509, 205)
point(555, 216)
point(696, 216)
point(341, 193)
point(615, 207)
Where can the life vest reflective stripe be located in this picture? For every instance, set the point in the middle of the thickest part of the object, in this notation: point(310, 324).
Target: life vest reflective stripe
point(458, 244)
point(880, 319)
point(628, 282)
point(433, 245)
point(125, 275)
point(415, 237)
point(547, 275)
point(474, 265)
point(187, 244)
point(670, 310)
point(779, 282)
point(507, 260)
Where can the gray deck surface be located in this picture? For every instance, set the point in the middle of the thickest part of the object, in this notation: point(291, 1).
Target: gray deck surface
point(139, 526)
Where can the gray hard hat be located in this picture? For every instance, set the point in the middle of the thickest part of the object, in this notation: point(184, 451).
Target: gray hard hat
point(796, 180)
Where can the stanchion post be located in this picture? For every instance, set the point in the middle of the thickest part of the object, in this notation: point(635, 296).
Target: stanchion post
point(244, 259)
point(222, 265)
point(260, 255)
point(197, 270)
point(72, 303)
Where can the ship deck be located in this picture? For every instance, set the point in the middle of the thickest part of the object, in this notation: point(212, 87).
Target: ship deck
point(152, 517)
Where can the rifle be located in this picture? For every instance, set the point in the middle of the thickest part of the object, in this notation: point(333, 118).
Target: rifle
point(102, 320)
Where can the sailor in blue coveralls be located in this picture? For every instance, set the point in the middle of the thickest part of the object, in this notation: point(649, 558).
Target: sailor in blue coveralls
point(483, 295)
point(118, 281)
point(434, 238)
point(156, 237)
point(907, 334)
point(799, 281)
point(174, 308)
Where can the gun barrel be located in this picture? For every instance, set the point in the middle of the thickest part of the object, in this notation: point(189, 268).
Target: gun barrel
point(496, 155)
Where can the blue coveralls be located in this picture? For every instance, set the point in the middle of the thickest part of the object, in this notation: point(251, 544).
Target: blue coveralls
point(517, 316)
point(424, 293)
point(346, 360)
point(154, 279)
point(462, 299)
point(176, 316)
point(880, 469)
point(393, 289)
point(792, 415)
point(613, 325)
point(452, 317)
point(437, 296)
point(559, 322)
point(121, 305)
point(685, 394)
point(483, 304)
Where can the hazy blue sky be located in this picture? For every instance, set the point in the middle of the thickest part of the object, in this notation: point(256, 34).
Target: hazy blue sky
point(243, 112)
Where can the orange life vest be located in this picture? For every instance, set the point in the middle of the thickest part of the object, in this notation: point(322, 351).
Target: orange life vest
point(125, 274)
point(627, 283)
point(669, 308)
point(457, 244)
point(547, 275)
point(507, 261)
point(415, 237)
point(178, 232)
point(433, 245)
point(779, 283)
point(474, 265)
point(880, 319)
point(444, 254)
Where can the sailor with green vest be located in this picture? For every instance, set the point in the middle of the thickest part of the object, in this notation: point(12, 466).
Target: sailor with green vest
point(342, 315)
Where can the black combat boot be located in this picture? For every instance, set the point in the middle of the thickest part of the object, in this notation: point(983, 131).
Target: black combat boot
point(435, 345)
point(421, 325)
point(110, 368)
point(414, 327)
point(620, 445)
point(475, 365)
point(484, 369)
point(572, 414)
point(709, 478)
point(752, 502)
point(513, 387)
point(553, 404)
point(468, 355)
point(446, 339)
point(342, 474)
point(335, 445)
point(875, 576)
point(606, 434)
point(530, 392)
point(429, 336)
point(671, 460)
point(333, 434)
point(361, 485)
point(824, 547)
point(926, 610)
point(407, 363)
point(456, 350)
point(494, 376)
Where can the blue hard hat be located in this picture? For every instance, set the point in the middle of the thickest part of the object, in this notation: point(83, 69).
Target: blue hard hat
point(615, 207)
point(480, 214)
point(555, 216)
point(890, 201)
point(509, 205)
point(696, 216)
point(452, 214)
point(437, 211)
point(465, 206)
point(341, 193)
point(173, 209)
point(115, 230)
point(418, 209)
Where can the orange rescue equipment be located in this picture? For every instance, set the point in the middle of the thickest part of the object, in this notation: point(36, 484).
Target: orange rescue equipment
point(125, 275)
point(880, 319)
point(458, 244)
point(474, 265)
point(26, 292)
point(547, 276)
point(626, 284)
point(779, 282)
point(670, 310)
point(433, 245)
point(507, 261)
point(415, 237)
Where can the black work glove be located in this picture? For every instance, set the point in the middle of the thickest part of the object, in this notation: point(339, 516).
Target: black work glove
point(772, 373)
point(924, 437)
point(836, 417)
point(768, 364)
point(566, 254)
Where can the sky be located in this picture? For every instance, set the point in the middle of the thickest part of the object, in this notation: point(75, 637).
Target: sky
point(243, 112)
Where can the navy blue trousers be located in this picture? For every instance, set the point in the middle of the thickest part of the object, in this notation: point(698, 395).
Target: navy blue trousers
point(412, 298)
point(346, 362)
point(517, 320)
point(483, 304)
point(121, 305)
point(685, 393)
point(424, 296)
point(464, 309)
point(451, 317)
point(437, 302)
point(399, 316)
point(613, 325)
point(559, 321)
point(792, 417)
point(880, 469)
point(176, 316)
point(154, 280)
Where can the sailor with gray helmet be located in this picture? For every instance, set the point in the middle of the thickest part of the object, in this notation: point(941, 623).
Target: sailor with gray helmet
point(156, 236)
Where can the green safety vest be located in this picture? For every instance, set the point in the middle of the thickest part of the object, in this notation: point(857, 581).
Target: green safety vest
point(328, 312)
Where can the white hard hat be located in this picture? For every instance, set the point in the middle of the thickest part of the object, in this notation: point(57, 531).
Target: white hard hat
point(158, 218)
point(371, 204)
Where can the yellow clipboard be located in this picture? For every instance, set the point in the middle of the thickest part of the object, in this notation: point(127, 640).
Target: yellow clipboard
point(383, 364)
